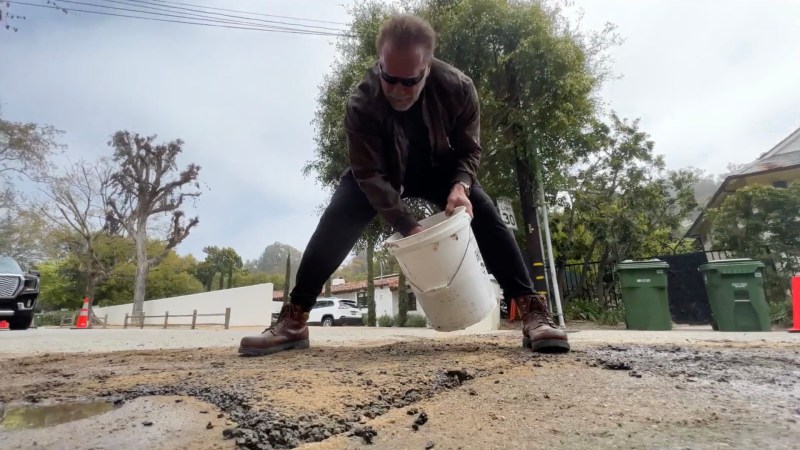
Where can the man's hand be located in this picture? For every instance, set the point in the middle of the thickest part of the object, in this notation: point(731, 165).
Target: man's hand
point(414, 231)
point(458, 197)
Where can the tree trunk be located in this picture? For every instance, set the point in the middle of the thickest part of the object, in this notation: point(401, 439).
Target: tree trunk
point(402, 295)
point(222, 279)
point(91, 286)
point(92, 275)
point(286, 279)
point(371, 320)
point(230, 276)
point(532, 241)
point(142, 269)
point(328, 287)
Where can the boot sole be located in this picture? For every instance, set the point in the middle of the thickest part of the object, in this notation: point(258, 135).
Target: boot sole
point(547, 345)
point(296, 345)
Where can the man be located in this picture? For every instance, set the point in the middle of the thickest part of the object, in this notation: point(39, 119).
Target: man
point(413, 130)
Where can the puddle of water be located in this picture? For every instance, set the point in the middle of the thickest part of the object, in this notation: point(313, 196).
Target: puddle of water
point(37, 416)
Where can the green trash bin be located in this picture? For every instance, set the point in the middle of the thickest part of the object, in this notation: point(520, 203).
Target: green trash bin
point(644, 294)
point(735, 290)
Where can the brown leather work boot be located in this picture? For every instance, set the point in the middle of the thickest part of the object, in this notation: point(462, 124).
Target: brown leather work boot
point(291, 332)
point(538, 329)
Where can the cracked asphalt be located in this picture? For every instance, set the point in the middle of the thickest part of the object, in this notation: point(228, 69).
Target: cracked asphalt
point(407, 388)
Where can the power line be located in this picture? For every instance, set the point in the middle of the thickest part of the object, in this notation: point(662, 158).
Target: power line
point(252, 13)
point(187, 16)
point(202, 16)
point(173, 8)
point(254, 28)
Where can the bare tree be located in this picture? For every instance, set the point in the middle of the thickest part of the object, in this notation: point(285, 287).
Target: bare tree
point(25, 148)
point(148, 185)
point(25, 151)
point(78, 203)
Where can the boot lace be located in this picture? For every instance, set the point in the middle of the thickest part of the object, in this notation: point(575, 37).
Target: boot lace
point(282, 315)
point(535, 310)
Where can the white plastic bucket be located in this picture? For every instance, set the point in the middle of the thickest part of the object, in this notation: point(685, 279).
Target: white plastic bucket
point(446, 271)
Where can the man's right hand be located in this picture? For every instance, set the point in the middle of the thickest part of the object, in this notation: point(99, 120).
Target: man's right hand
point(414, 231)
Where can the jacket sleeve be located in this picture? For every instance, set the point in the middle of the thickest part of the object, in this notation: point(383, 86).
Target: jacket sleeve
point(368, 164)
point(467, 136)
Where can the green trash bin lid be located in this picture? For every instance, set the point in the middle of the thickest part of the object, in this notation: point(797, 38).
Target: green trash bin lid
point(649, 264)
point(732, 266)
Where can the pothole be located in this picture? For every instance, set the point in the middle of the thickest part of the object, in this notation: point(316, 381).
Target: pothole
point(41, 416)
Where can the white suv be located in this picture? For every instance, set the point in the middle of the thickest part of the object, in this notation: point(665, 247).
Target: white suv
point(331, 311)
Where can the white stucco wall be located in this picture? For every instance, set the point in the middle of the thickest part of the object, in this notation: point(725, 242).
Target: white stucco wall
point(250, 306)
point(384, 304)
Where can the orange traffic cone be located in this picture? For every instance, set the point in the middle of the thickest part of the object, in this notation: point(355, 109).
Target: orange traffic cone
point(4, 325)
point(83, 319)
point(512, 313)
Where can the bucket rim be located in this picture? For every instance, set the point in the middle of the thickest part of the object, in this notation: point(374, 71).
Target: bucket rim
point(398, 242)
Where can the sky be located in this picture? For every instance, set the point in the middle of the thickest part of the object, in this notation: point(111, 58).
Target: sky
point(713, 82)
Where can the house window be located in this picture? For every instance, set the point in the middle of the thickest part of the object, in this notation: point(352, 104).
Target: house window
point(362, 300)
point(412, 301)
point(780, 184)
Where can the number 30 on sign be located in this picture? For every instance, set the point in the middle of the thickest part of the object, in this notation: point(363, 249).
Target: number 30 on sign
point(507, 212)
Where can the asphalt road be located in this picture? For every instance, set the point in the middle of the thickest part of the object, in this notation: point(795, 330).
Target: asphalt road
point(365, 388)
point(57, 340)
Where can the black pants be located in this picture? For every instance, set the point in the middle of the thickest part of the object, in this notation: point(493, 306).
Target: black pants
point(349, 213)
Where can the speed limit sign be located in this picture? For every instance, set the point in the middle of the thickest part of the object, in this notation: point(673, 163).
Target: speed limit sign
point(506, 212)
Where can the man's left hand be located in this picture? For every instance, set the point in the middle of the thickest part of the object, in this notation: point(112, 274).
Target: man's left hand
point(458, 197)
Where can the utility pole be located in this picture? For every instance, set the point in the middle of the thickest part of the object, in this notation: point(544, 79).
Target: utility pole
point(533, 245)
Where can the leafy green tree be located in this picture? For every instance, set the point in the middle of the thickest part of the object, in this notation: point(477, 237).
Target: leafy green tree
point(536, 76)
point(273, 258)
point(247, 278)
point(623, 202)
point(762, 222)
point(173, 277)
point(57, 288)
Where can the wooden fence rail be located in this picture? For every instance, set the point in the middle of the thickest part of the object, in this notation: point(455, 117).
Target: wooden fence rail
point(167, 316)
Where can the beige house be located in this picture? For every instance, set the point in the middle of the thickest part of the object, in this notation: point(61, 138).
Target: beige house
point(778, 167)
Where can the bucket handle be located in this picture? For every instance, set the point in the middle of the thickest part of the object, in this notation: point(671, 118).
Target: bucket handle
point(446, 285)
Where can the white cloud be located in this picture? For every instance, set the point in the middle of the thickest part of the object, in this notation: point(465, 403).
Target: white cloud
point(713, 81)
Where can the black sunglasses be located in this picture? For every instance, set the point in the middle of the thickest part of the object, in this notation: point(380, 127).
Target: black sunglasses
point(407, 82)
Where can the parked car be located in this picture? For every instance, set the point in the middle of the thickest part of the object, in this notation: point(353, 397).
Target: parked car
point(331, 311)
point(19, 290)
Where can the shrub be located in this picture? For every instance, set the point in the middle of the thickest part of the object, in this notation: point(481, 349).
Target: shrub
point(613, 316)
point(780, 313)
point(385, 321)
point(581, 309)
point(416, 321)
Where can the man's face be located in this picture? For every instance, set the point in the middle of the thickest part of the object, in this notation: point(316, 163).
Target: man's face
point(403, 74)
